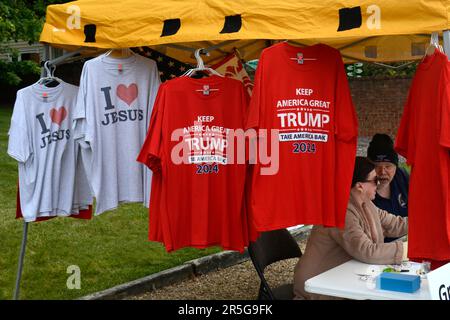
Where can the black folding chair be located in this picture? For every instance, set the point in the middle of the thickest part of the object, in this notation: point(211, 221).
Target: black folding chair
point(270, 247)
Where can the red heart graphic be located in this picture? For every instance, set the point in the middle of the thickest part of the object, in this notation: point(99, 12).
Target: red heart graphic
point(127, 94)
point(58, 116)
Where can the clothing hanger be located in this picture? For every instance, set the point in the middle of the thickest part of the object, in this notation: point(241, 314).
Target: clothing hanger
point(434, 44)
point(119, 53)
point(200, 65)
point(300, 57)
point(435, 37)
point(49, 80)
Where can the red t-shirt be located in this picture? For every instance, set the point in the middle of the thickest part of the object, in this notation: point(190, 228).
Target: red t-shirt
point(311, 106)
point(200, 202)
point(423, 139)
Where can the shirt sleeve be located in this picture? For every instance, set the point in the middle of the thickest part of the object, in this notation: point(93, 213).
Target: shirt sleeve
point(19, 143)
point(79, 113)
point(444, 136)
point(257, 102)
point(155, 83)
point(346, 121)
point(245, 99)
point(393, 226)
point(361, 247)
point(151, 151)
point(346, 133)
point(404, 142)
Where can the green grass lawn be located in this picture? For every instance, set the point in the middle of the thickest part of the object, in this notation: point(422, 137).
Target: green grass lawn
point(110, 249)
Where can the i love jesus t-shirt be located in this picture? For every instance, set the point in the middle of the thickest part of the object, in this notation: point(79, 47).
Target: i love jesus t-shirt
point(52, 181)
point(113, 109)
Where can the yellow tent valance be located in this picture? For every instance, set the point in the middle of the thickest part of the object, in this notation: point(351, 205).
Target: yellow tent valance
point(377, 30)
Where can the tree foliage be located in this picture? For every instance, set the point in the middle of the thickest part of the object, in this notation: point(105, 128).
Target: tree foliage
point(23, 19)
point(20, 20)
point(401, 70)
point(376, 71)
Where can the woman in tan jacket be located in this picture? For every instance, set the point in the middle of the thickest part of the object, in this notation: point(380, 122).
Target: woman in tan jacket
point(361, 239)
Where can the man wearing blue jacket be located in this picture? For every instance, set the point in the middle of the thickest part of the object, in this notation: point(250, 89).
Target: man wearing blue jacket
point(392, 189)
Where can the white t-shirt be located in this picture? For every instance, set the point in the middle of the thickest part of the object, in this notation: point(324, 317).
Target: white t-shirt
point(41, 140)
point(113, 111)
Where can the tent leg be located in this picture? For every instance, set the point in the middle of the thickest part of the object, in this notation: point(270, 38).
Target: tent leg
point(22, 255)
point(45, 58)
point(64, 57)
point(446, 36)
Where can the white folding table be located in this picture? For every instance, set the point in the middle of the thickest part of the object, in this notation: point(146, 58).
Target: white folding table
point(343, 281)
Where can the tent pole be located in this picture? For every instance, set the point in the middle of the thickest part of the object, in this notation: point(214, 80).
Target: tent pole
point(66, 56)
point(44, 58)
point(210, 48)
point(446, 36)
point(21, 257)
point(25, 224)
point(220, 45)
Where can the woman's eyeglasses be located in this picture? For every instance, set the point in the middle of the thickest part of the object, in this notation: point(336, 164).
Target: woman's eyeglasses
point(375, 180)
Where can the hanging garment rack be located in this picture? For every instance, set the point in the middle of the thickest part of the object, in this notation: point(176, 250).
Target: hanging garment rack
point(46, 71)
point(47, 66)
point(200, 64)
point(64, 58)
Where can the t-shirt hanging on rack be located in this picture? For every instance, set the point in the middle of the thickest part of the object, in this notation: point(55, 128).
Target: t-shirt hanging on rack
point(113, 110)
point(84, 213)
point(41, 140)
point(423, 139)
point(303, 93)
point(197, 202)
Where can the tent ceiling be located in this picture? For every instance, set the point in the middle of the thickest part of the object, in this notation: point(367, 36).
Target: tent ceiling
point(381, 30)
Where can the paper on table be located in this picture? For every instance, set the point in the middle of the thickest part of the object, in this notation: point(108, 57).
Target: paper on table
point(371, 270)
point(374, 270)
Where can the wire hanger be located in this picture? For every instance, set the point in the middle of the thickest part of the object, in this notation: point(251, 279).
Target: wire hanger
point(435, 37)
point(121, 53)
point(300, 57)
point(434, 44)
point(200, 65)
point(49, 80)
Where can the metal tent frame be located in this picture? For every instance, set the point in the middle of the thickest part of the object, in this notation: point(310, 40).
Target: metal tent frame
point(67, 56)
point(51, 63)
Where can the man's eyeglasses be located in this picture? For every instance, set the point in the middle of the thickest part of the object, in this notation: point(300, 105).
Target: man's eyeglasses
point(375, 180)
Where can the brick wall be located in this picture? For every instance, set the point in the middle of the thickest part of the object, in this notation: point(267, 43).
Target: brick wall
point(379, 104)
